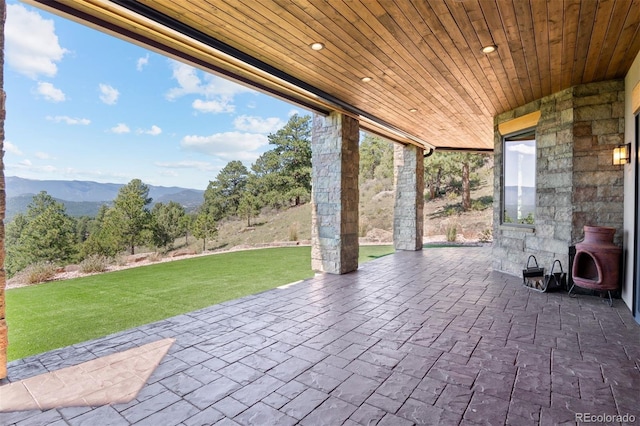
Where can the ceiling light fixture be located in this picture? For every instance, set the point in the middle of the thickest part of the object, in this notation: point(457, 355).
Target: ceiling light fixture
point(413, 110)
point(316, 46)
point(366, 79)
point(489, 49)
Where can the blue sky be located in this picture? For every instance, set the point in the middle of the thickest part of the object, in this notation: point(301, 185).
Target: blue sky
point(83, 105)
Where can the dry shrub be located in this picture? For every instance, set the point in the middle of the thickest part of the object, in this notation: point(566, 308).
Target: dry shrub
point(120, 260)
point(452, 232)
point(293, 231)
point(38, 272)
point(486, 236)
point(155, 257)
point(94, 263)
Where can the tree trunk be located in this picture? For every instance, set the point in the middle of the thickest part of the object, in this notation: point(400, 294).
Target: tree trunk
point(432, 190)
point(132, 246)
point(204, 244)
point(466, 188)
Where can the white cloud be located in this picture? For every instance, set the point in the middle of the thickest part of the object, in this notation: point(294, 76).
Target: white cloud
point(11, 148)
point(227, 146)
point(215, 107)
point(293, 112)
point(109, 95)
point(26, 162)
point(69, 120)
point(258, 124)
point(198, 165)
point(153, 131)
point(188, 81)
point(120, 128)
point(142, 62)
point(32, 46)
point(218, 92)
point(169, 173)
point(42, 155)
point(527, 149)
point(50, 92)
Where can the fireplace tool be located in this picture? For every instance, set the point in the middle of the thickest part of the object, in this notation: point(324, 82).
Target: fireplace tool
point(535, 278)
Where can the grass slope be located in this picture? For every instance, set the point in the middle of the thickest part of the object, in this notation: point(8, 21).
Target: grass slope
point(54, 315)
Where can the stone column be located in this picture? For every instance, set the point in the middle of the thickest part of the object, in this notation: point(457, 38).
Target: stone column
point(334, 222)
point(3, 278)
point(408, 218)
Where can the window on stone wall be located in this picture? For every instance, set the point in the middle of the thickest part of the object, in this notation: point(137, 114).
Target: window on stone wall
point(519, 179)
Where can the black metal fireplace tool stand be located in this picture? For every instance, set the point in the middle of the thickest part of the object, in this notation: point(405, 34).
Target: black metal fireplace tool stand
point(534, 278)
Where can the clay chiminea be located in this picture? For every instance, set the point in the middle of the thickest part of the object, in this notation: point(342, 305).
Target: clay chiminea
point(597, 262)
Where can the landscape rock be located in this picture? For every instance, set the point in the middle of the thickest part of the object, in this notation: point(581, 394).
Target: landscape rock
point(186, 252)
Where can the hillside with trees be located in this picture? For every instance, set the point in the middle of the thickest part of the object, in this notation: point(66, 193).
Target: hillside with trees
point(263, 204)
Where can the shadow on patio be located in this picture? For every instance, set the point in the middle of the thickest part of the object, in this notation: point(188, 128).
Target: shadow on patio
point(431, 337)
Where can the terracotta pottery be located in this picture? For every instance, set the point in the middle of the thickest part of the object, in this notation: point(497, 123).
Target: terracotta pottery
point(597, 262)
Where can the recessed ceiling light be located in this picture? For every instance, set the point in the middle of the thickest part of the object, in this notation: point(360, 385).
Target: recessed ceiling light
point(316, 46)
point(366, 79)
point(489, 49)
point(413, 110)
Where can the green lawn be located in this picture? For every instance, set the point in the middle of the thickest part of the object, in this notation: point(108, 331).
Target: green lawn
point(49, 316)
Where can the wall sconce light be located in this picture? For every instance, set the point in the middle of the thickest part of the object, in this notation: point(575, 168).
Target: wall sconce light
point(621, 154)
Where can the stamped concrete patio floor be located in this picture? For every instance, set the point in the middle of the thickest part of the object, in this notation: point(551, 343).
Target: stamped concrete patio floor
point(431, 337)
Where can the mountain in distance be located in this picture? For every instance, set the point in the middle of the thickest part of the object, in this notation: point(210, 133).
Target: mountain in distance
point(84, 198)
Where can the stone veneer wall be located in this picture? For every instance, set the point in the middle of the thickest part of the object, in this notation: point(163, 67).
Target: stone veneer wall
point(408, 175)
point(334, 221)
point(598, 127)
point(576, 183)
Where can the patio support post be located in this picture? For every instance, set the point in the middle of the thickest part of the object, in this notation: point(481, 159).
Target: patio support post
point(335, 159)
point(408, 219)
point(3, 278)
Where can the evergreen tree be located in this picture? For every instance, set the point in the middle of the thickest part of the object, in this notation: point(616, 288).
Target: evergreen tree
point(130, 215)
point(452, 172)
point(167, 223)
point(284, 172)
point(440, 169)
point(469, 163)
point(269, 181)
point(44, 233)
point(249, 206)
point(376, 158)
point(222, 196)
point(204, 227)
point(16, 259)
point(83, 224)
point(186, 222)
point(104, 236)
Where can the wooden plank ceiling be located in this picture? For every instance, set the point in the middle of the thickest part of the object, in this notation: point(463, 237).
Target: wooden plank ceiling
point(422, 55)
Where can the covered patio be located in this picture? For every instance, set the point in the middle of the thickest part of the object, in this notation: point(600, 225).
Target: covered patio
point(436, 336)
point(417, 337)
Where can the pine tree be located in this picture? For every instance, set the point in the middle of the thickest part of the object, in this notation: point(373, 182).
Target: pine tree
point(44, 233)
point(222, 196)
point(167, 223)
point(130, 215)
point(204, 227)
